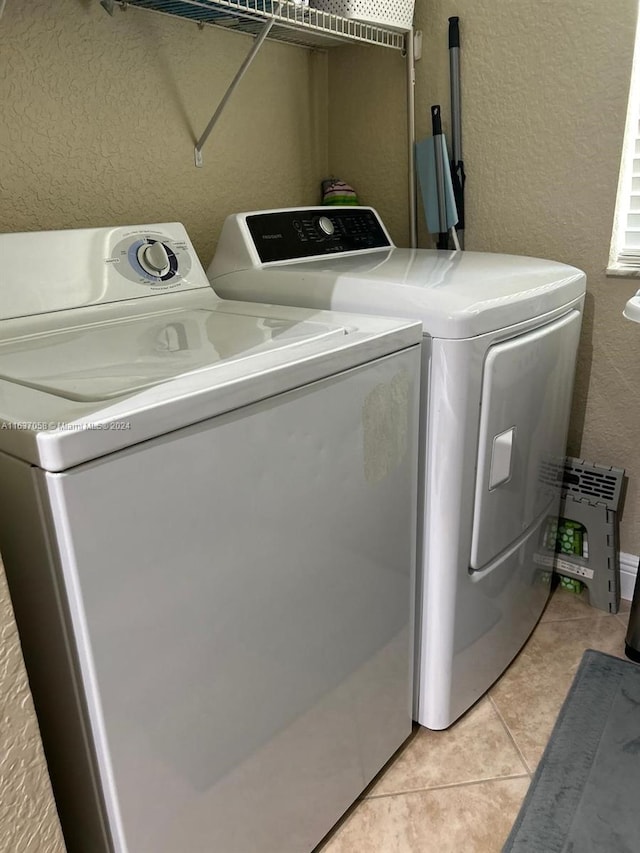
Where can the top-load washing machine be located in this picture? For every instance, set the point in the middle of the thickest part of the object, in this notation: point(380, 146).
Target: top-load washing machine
point(207, 522)
point(498, 360)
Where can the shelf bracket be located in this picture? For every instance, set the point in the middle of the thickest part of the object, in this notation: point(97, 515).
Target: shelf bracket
point(417, 45)
point(255, 47)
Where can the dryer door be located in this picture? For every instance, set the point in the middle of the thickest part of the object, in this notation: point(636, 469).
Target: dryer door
point(526, 402)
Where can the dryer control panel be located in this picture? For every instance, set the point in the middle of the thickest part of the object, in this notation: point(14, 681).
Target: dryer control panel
point(285, 235)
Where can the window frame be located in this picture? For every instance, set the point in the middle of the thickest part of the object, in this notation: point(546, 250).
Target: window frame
point(619, 264)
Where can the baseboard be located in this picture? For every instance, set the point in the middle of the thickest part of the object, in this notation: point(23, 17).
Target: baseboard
point(628, 572)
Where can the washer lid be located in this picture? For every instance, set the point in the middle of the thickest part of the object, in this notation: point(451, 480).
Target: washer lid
point(79, 384)
point(94, 362)
point(455, 294)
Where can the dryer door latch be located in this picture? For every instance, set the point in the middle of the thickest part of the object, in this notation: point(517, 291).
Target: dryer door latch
point(501, 458)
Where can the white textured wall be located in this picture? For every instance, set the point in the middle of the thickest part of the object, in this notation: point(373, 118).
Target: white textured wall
point(544, 95)
point(28, 817)
point(99, 117)
point(368, 130)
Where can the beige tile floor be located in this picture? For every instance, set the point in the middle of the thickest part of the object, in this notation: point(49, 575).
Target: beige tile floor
point(459, 791)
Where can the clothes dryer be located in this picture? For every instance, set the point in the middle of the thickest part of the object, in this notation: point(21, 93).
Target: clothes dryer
point(207, 519)
point(498, 360)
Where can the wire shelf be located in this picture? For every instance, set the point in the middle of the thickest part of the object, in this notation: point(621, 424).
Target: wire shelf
point(293, 22)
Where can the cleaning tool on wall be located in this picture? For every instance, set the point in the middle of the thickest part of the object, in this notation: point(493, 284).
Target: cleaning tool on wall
point(457, 164)
point(436, 188)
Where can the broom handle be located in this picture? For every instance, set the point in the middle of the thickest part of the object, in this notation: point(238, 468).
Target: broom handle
point(436, 127)
point(454, 74)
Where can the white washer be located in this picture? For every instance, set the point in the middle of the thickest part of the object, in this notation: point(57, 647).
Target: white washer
point(207, 517)
point(500, 340)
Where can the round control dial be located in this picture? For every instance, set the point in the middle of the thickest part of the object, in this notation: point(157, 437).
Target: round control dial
point(154, 258)
point(151, 258)
point(326, 225)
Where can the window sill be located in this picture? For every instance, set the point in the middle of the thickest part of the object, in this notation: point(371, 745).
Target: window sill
point(622, 271)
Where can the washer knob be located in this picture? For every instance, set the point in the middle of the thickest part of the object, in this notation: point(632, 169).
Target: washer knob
point(326, 225)
point(154, 259)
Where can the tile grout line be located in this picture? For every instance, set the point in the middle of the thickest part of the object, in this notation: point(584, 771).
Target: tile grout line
point(445, 787)
point(599, 614)
point(568, 619)
point(510, 736)
point(587, 615)
point(625, 622)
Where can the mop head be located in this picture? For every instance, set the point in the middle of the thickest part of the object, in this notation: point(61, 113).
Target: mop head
point(427, 151)
point(335, 191)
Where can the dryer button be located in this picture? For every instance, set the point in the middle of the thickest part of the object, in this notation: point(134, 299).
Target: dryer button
point(326, 225)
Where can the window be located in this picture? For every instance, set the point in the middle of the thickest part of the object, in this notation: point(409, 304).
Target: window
point(624, 258)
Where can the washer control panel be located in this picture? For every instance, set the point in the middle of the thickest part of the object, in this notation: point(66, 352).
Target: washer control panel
point(151, 258)
point(285, 235)
point(47, 271)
